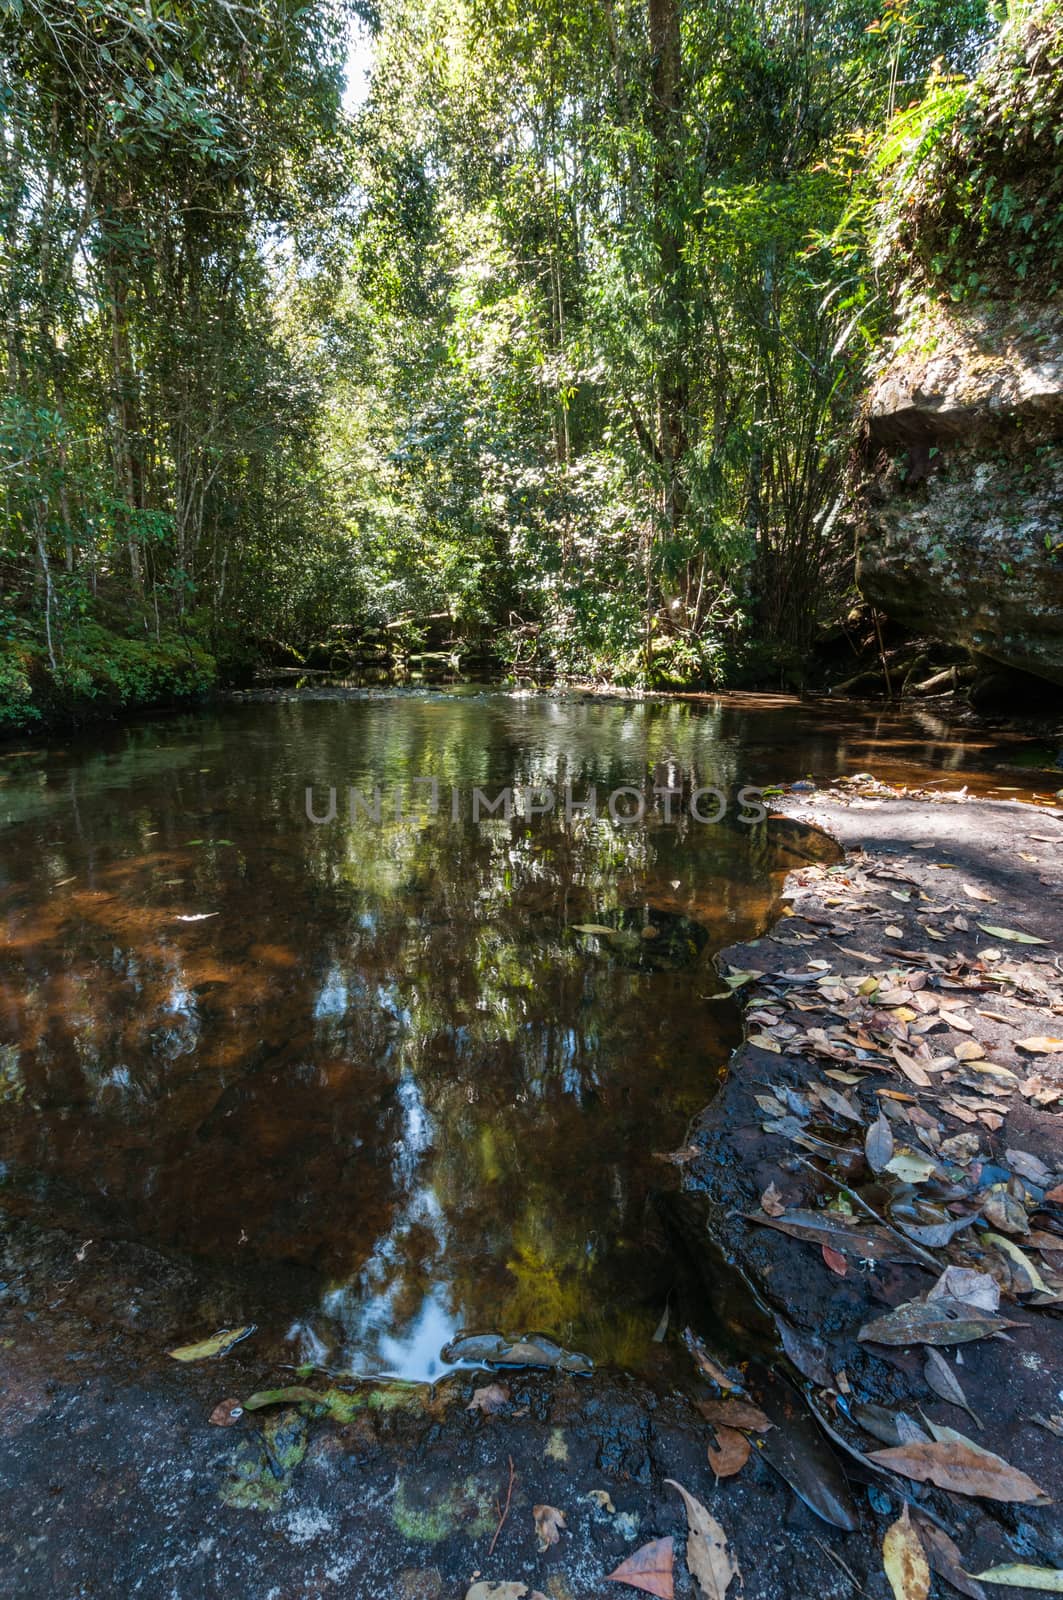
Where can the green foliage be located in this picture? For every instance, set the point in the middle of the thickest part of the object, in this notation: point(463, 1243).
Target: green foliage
point(553, 346)
point(972, 176)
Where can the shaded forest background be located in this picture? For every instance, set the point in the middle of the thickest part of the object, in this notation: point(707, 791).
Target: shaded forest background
point(550, 348)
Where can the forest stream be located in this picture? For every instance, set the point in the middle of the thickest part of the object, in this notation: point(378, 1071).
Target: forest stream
point(404, 1077)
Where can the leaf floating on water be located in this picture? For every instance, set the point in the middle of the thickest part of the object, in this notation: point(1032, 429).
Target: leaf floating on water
point(964, 1468)
point(878, 1144)
point(226, 1413)
point(905, 1561)
point(649, 1569)
point(1048, 1579)
point(708, 1560)
point(940, 1321)
point(732, 1452)
point(1012, 935)
point(736, 979)
point(1043, 1044)
point(945, 1384)
point(219, 1344)
point(549, 1525)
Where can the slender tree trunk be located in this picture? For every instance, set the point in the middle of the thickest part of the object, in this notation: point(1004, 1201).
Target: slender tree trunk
point(666, 128)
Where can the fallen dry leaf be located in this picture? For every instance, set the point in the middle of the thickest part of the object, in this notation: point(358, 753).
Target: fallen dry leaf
point(1012, 935)
point(964, 1468)
point(946, 1560)
point(489, 1399)
point(904, 1560)
point(649, 1569)
point(1049, 1580)
point(945, 1384)
point(878, 1144)
point(708, 1560)
point(967, 1287)
point(835, 1260)
point(934, 1321)
point(497, 1591)
point(732, 1452)
point(549, 1525)
point(734, 1414)
point(1043, 1044)
point(225, 1413)
point(771, 1202)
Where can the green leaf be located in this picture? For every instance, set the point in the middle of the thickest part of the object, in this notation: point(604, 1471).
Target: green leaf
point(1013, 935)
point(219, 1344)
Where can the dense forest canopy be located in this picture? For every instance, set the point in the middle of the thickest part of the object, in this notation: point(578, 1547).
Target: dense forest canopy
point(551, 344)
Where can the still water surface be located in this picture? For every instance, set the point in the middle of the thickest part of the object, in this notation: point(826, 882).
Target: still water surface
point(376, 1071)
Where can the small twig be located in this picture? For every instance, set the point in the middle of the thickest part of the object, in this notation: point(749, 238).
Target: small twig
point(909, 1244)
point(832, 1555)
point(505, 1508)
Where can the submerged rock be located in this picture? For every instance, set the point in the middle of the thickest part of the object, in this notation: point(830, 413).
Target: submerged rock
point(530, 1350)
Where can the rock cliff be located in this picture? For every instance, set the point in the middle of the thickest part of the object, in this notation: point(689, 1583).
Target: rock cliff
point(961, 507)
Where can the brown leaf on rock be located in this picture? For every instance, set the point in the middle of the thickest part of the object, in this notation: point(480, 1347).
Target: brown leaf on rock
point(945, 1559)
point(493, 1397)
point(905, 1561)
point(835, 1260)
point(941, 1321)
point(709, 1561)
point(1041, 1045)
point(225, 1413)
point(945, 1384)
point(649, 1569)
point(964, 1469)
point(819, 1227)
point(771, 1202)
point(732, 1452)
point(878, 1144)
point(549, 1525)
point(1005, 1213)
point(734, 1414)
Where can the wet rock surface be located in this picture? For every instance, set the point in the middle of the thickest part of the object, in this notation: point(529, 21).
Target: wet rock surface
point(115, 1480)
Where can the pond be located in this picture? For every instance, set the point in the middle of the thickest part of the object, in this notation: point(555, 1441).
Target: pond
point(412, 1073)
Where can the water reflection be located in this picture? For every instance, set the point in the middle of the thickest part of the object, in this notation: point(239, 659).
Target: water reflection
point(380, 1073)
